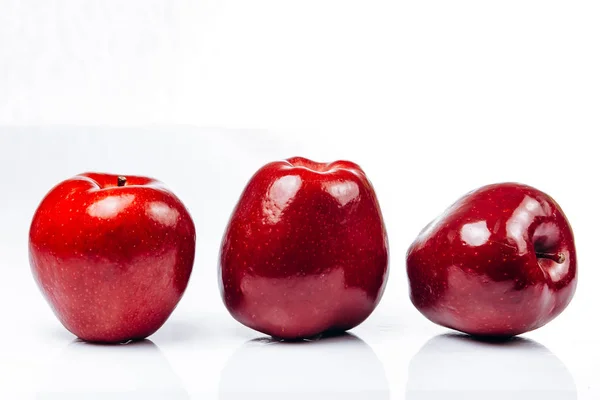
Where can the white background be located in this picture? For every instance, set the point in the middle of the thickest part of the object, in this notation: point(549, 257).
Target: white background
point(432, 98)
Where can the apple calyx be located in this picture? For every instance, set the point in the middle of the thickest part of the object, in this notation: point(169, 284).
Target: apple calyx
point(556, 257)
point(121, 181)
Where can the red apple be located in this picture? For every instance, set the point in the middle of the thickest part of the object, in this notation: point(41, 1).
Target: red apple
point(305, 251)
point(500, 262)
point(112, 255)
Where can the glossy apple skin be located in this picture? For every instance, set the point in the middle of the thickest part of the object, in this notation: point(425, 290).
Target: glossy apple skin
point(483, 267)
point(112, 261)
point(305, 251)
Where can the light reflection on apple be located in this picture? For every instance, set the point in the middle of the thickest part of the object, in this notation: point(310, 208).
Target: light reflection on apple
point(475, 234)
point(110, 206)
point(340, 367)
point(281, 193)
point(459, 367)
point(521, 218)
point(137, 370)
point(344, 192)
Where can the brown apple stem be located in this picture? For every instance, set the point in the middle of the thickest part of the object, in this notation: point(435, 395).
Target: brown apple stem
point(121, 181)
point(556, 257)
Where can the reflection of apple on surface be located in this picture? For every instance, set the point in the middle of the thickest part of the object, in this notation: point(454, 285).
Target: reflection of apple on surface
point(112, 255)
point(459, 367)
point(340, 367)
point(499, 262)
point(137, 370)
point(305, 251)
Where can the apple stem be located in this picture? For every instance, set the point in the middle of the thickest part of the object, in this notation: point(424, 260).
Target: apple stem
point(121, 181)
point(559, 258)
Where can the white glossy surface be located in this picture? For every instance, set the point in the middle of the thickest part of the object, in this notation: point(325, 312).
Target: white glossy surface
point(203, 353)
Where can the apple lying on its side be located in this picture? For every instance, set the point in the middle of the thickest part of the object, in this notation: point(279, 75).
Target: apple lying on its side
point(112, 255)
point(305, 251)
point(499, 262)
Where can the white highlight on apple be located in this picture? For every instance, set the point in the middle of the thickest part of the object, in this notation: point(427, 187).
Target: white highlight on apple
point(280, 193)
point(343, 192)
point(110, 206)
point(162, 213)
point(475, 233)
point(521, 218)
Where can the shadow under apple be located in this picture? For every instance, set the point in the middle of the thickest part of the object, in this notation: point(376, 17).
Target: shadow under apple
point(339, 367)
point(137, 370)
point(457, 366)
